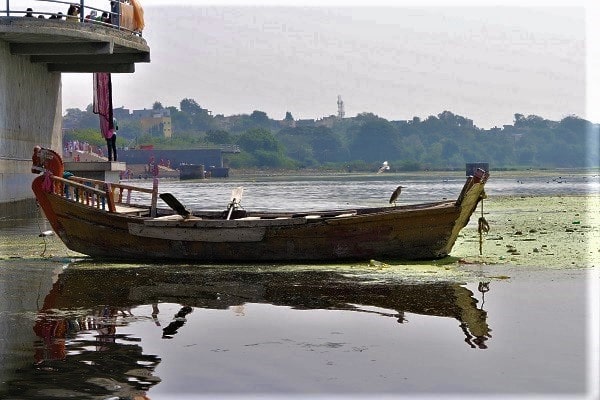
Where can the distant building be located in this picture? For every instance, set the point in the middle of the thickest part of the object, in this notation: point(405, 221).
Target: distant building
point(155, 121)
point(327, 121)
point(305, 122)
point(121, 113)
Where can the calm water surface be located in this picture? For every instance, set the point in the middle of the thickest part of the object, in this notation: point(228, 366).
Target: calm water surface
point(350, 191)
point(85, 330)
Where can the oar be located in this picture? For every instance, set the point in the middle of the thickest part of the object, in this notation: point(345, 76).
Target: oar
point(175, 204)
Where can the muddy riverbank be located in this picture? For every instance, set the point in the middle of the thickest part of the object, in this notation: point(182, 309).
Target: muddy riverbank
point(556, 231)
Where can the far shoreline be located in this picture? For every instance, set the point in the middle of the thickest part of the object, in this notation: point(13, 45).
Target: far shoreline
point(268, 172)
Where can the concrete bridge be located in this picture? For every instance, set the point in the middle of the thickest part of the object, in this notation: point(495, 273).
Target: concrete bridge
point(33, 54)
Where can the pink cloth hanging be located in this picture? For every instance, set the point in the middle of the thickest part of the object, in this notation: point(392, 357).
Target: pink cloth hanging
point(47, 184)
point(103, 103)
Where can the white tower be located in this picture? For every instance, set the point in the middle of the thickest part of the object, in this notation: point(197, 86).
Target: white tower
point(340, 104)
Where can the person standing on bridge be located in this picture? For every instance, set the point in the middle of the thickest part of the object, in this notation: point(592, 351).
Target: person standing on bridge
point(73, 13)
point(111, 141)
point(103, 107)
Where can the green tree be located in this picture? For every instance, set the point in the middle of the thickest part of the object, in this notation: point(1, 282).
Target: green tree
point(264, 147)
point(327, 146)
point(313, 145)
point(432, 158)
point(192, 117)
point(298, 148)
point(412, 148)
point(449, 149)
point(437, 141)
point(258, 139)
point(218, 137)
point(259, 117)
point(519, 120)
point(190, 107)
point(180, 121)
point(75, 118)
point(376, 140)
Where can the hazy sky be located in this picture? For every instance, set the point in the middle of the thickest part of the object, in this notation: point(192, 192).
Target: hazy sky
point(484, 63)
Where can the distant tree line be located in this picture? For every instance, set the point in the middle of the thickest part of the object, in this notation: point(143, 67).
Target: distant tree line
point(443, 141)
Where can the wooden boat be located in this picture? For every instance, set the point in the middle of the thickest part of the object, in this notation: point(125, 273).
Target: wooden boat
point(98, 219)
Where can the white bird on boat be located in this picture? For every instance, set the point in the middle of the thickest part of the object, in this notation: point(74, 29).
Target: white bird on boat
point(395, 194)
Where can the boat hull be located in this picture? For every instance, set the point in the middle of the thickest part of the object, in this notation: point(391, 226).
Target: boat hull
point(409, 234)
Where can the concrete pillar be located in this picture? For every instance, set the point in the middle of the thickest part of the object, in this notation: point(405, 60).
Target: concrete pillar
point(30, 114)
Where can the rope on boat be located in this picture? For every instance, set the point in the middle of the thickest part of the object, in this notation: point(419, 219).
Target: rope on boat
point(483, 227)
point(483, 288)
point(43, 235)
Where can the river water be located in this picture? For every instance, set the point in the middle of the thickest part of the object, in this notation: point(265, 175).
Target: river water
point(74, 328)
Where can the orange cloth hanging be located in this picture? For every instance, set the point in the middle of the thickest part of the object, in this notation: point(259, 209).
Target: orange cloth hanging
point(138, 15)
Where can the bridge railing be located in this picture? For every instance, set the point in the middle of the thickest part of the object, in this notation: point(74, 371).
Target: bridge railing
point(57, 9)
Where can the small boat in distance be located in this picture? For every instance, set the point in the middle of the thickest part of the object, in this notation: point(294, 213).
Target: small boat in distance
point(98, 219)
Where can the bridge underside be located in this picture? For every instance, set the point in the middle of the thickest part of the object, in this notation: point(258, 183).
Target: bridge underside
point(65, 46)
point(33, 54)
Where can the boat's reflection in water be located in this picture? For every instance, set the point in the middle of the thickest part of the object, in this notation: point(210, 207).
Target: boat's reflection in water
point(81, 323)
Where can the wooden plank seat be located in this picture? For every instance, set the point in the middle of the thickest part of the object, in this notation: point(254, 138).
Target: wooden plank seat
point(131, 210)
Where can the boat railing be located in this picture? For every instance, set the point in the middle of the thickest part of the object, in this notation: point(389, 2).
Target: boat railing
point(99, 194)
point(83, 193)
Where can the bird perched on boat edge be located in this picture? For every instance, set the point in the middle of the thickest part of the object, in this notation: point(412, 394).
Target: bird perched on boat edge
point(395, 194)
